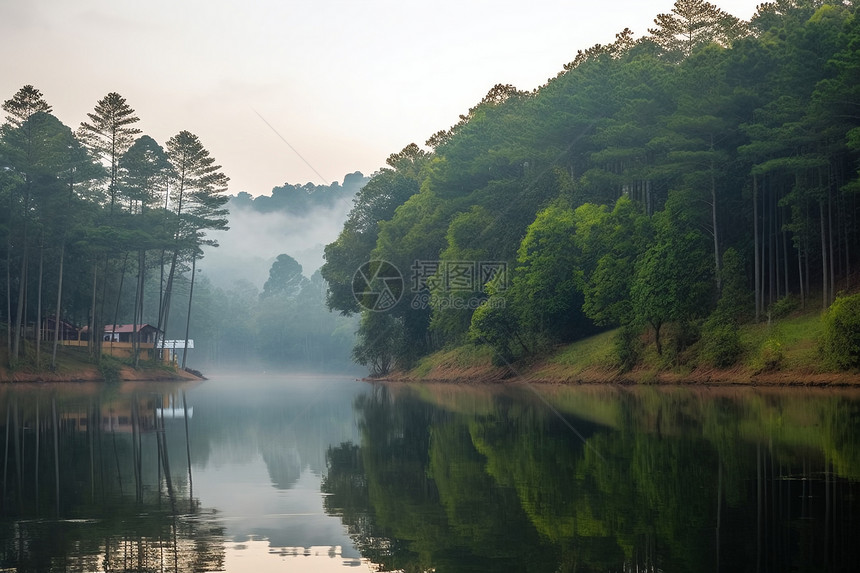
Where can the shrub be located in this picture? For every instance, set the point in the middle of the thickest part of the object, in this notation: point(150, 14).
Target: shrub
point(626, 347)
point(772, 354)
point(840, 342)
point(110, 369)
point(783, 307)
point(721, 341)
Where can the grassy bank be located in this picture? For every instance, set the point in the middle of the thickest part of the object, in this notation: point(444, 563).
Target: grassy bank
point(75, 365)
point(784, 352)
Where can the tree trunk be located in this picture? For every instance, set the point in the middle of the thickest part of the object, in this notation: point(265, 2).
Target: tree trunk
point(161, 288)
point(39, 305)
point(847, 255)
point(785, 259)
point(118, 298)
point(824, 271)
point(831, 258)
point(800, 277)
point(19, 315)
point(93, 346)
point(657, 340)
point(714, 224)
point(188, 317)
point(58, 308)
point(36, 476)
point(135, 335)
point(9, 281)
point(168, 291)
point(756, 249)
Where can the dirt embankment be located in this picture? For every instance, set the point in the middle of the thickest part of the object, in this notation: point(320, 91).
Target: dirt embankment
point(542, 373)
point(90, 373)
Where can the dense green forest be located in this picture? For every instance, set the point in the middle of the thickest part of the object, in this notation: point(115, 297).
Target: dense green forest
point(93, 215)
point(104, 226)
point(673, 185)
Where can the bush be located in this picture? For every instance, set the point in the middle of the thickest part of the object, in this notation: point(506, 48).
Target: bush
point(110, 369)
point(772, 354)
point(627, 347)
point(721, 341)
point(840, 343)
point(783, 307)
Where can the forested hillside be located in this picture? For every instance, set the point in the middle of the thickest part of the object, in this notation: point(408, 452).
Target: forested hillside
point(674, 185)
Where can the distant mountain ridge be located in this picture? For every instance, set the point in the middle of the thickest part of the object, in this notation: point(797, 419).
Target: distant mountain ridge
point(300, 200)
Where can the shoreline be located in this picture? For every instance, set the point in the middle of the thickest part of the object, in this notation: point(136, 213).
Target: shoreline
point(477, 375)
point(92, 374)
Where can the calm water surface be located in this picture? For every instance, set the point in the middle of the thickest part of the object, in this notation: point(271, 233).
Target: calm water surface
point(274, 473)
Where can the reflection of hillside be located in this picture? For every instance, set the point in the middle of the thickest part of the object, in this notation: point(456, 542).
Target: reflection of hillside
point(650, 480)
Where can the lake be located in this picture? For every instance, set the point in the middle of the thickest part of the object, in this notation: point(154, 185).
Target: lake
point(320, 473)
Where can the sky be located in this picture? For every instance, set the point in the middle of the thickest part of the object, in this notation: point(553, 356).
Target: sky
point(297, 91)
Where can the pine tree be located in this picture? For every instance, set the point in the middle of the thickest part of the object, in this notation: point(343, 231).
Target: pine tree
point(109, 135)
point(198, 199)
point(695, 23)
point(23, 107)
point(26, 101)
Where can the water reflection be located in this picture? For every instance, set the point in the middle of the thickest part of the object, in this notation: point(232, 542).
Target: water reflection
point(93, 482)
point(318, 474)
point(141, 479)
point(471, 479)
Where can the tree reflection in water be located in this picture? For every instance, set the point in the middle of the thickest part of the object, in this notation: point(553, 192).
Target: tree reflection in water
point(467, 479)
point(92, 482)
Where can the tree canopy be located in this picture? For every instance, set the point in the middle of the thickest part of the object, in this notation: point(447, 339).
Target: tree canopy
point(613, 192)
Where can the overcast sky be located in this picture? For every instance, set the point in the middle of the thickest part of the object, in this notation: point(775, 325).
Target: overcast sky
point(345, 83)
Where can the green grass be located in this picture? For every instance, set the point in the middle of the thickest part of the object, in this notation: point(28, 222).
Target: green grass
point(790, 343)
point(597, 350)
point(787, 344)
point(466, 356)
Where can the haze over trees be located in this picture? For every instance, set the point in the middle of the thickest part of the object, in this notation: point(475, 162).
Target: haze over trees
point(105, 226)
point(647, 184)
point(98, 223)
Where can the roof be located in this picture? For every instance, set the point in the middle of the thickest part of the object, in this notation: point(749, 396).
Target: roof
point(122, 328)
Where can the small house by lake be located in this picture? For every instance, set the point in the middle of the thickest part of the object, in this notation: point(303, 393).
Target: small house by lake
point(119, 339)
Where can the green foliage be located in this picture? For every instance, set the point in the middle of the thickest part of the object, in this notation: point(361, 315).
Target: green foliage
point(772, 354)
point(673, 277)
point(783, 307)
point(285, 278)
point(109, 368)
point(840, 341)
point(544, 288)
point(627, 347)
point(469, 241)
point(735, 297)
point(495, 324)
point(375, 202)
point(615, 240)
point(380, 337)
point(721, 341)
point(693, 24)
